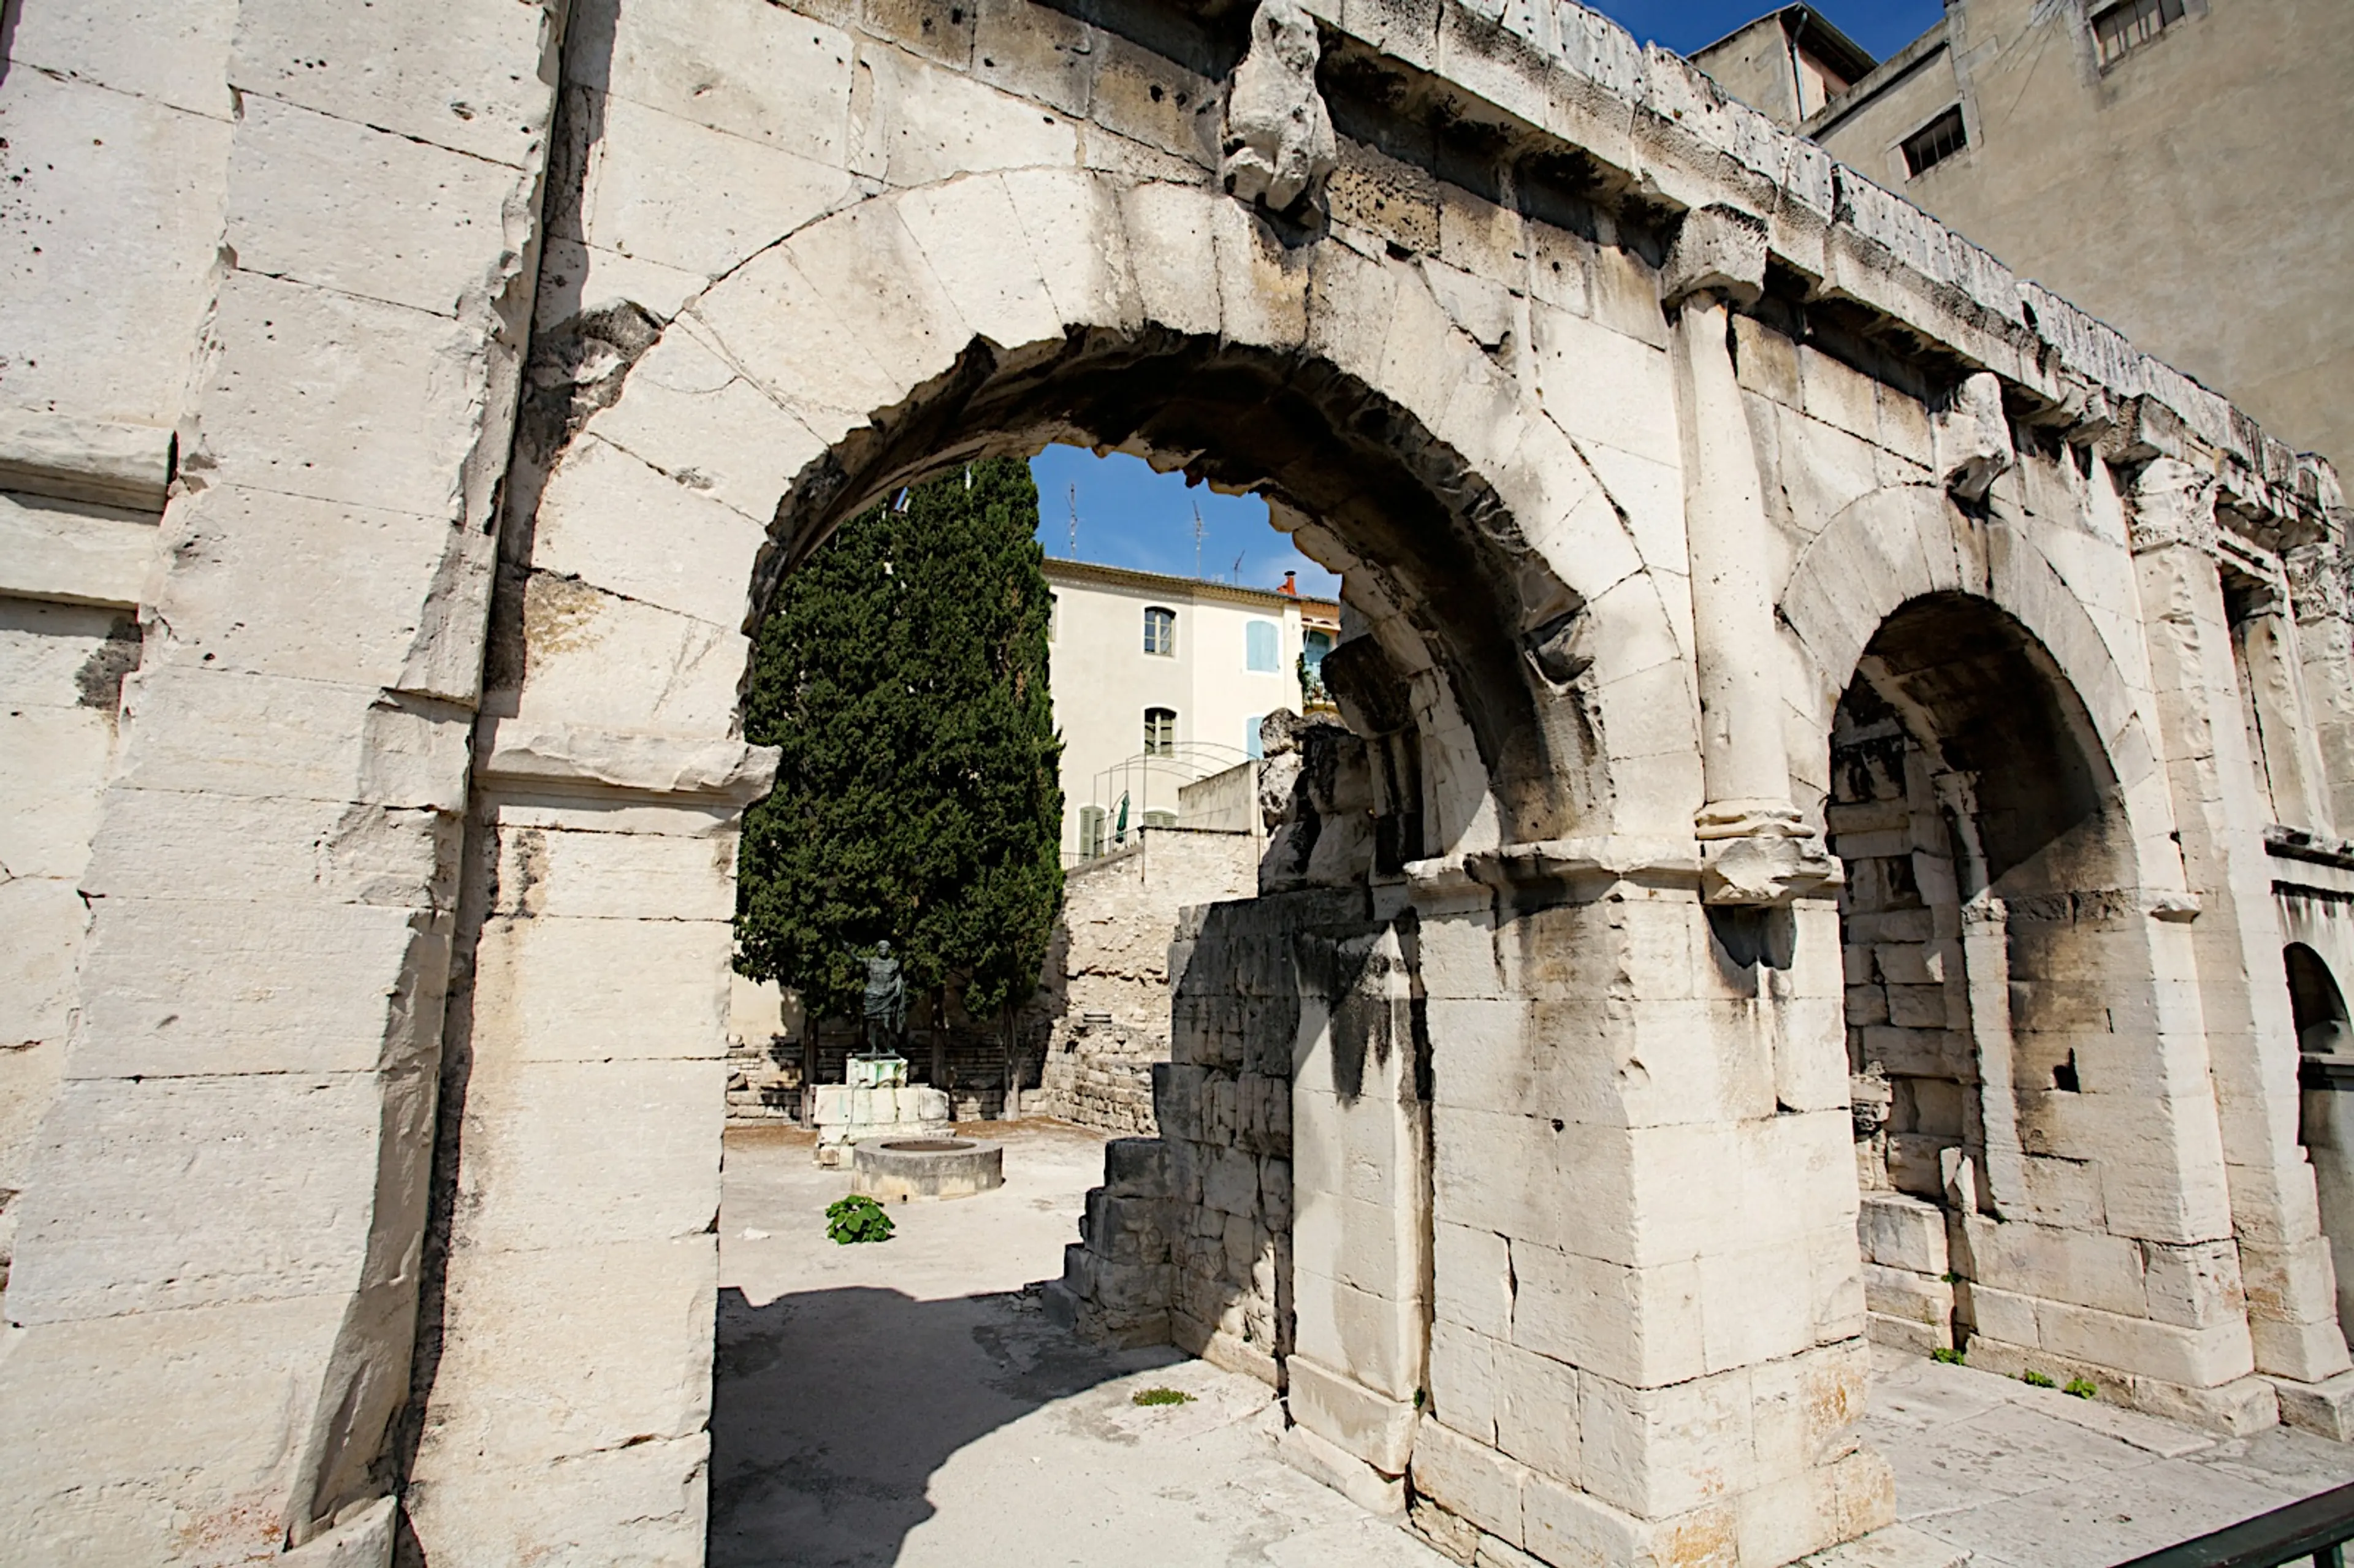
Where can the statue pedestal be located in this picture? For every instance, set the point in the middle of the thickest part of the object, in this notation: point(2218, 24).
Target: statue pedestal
point(877, 1072)
point(854, 1113)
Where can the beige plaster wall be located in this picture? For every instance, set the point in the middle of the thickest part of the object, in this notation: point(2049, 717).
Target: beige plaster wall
point(2195, 194)
point(1103, 680)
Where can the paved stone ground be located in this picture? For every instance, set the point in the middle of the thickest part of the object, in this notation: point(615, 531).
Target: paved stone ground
point(907, 1403)
point(2028, 1478)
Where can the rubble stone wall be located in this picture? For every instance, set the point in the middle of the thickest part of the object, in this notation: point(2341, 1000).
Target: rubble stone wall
point(1107, 987)
point(1189, 1241)
point(1907, 1017)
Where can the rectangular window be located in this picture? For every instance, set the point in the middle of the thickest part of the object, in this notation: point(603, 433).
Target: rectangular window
point(1253, 746)
point(1160, 630)
point(1935, 142)
point(1160, 819)
point(1091, 831)
point(1259, 647)
point(2129, 25)
point(1160, 732)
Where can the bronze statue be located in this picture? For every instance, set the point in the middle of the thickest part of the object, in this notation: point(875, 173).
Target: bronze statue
point(886, 1002)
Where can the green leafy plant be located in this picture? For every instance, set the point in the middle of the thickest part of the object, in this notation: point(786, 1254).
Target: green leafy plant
point(1161, 1397)
point(2034, 1379)
point(856, 1218)
point(1949, 1356)
point(2082, 1387)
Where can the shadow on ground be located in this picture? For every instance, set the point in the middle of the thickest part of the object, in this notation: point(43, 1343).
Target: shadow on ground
point(832, 1409)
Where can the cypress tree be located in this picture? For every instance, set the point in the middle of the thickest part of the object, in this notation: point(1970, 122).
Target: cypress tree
point(902, 671)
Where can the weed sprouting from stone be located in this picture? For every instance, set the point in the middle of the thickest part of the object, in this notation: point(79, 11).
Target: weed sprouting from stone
point(2082, 1387)
point(2034, 1379)
point(1161, 1397)
point(1949, 1356)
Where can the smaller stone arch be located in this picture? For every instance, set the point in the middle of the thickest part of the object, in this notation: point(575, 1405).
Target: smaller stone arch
point(2316, 1002)
point(2325, 1121)
point(1907, 541)
point(1997, 802)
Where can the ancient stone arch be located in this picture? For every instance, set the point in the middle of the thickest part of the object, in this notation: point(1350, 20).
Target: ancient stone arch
point(1637, 427)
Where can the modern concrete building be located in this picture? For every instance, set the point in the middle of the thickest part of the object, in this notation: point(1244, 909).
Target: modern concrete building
point(1160, 680)
point(2176, 167)
point(1789, 63)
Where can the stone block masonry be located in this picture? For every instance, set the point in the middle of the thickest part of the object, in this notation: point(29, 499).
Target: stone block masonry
point(1107, 987)
point(489, 364)
point(1189, 1240)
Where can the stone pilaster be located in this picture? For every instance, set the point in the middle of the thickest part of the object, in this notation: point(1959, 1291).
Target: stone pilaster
point(1758, 849)
point(2236, 939)
point(1360, 1206)
point(216, 1282)
point(2325, 641)
point(595, 933)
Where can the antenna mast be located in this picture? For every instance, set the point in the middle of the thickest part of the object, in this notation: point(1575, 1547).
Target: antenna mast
point(1075, 520)
point(1197, 540)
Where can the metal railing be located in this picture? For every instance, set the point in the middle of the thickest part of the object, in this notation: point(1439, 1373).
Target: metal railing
point(1150, 782)
point(2315, 1531)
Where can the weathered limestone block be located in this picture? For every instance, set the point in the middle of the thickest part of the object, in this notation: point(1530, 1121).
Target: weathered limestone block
point(846, 1115)
point(746, 192)
point(763, 74)
point(91, 1390)
point(287, 1218)
point(92, 462)
point(102, 323)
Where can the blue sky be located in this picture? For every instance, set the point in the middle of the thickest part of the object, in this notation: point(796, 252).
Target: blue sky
point(1131, 517)
point(1881, 26)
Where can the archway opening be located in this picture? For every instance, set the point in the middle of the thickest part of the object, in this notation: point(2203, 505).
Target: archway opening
point(1989, 934)
point(1457, 715)
point(1434, 560)
point(2325, 1122)
point(2315, 1003)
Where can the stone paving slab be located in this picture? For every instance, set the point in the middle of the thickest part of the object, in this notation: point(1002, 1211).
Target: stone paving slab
point(908, 1403)
point(2030, 1478)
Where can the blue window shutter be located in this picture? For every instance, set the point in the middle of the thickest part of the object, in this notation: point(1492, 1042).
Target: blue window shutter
point(1260, 646)
point(1252, 746)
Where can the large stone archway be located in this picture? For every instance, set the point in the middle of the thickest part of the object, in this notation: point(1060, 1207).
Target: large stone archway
point(1631, 423)
point(1505, 588)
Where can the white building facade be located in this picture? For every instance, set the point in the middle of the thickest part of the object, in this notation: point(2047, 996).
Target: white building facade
point(1160, 680)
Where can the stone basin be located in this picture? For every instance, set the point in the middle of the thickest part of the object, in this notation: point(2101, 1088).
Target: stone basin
point(894, 1169)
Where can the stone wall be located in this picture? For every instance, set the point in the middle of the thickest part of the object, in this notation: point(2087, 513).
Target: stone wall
point(764, 1051)
point(1630, 421)
point(1107, 989)
point(1907, 1017)
point(1189, 1240)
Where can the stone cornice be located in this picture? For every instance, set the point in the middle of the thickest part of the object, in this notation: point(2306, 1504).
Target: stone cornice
point(1659, 131)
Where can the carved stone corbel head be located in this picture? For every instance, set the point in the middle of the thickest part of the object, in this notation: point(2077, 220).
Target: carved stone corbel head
point(2173, 504)
point(1279, 144)
point(1973, 437)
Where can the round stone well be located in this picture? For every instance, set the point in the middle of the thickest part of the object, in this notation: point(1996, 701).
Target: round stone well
point(892, 1170)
